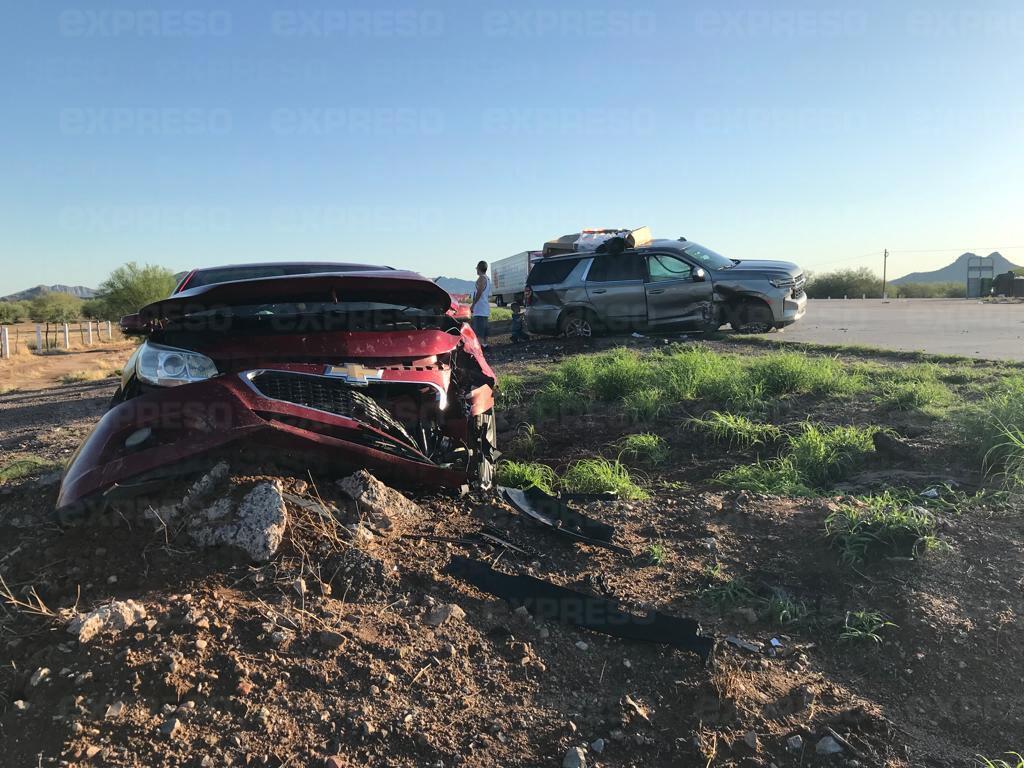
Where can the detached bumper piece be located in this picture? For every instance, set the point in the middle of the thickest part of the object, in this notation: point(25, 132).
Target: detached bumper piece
point(551, 602)
point(555, 514)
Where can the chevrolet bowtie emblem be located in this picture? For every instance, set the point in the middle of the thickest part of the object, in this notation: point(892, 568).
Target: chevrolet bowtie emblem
point(354, 373)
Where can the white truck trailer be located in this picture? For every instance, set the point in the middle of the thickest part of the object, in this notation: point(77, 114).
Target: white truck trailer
point(508, 276)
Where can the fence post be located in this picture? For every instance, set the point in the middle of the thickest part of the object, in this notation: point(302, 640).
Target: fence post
point(67, 337)
point(39, 339)
point(109, 336)
point(88, 333)
point(5, 343)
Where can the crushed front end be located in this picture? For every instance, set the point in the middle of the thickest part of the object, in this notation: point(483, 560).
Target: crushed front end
point(305, 383)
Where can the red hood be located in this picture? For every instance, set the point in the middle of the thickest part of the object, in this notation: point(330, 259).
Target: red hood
point(390, 286)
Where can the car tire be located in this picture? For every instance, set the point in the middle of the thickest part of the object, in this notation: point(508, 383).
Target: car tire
point(484, 444)
point(578, 325)
point(752, 317)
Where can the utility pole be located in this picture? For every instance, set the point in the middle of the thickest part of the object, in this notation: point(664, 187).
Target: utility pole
point(885, 264)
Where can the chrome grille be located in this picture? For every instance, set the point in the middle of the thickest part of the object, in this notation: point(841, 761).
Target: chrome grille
point(330, 395)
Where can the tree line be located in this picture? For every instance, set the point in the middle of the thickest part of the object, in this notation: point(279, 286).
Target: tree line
point(855, 283)
point(125, 290)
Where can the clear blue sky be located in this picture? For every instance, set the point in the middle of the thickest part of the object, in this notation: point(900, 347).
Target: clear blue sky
point(430, 136)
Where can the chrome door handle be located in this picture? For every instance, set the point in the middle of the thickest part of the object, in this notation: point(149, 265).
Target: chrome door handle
point(600, 290)
point(659, 290)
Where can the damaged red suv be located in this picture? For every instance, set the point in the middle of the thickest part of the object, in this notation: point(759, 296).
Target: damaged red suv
point(325, 366)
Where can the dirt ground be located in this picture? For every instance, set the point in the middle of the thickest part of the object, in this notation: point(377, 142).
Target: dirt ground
point(235, 665)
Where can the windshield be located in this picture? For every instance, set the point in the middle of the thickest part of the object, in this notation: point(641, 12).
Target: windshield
point(708, 258)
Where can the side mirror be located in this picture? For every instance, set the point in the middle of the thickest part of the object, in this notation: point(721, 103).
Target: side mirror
point(134, 325)
point(699, 275)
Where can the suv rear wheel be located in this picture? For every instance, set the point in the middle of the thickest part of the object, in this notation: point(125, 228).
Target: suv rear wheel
point(578, 325)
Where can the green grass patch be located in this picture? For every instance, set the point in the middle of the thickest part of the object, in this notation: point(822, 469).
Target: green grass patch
point(815, 459)
point(500, 314)
point(657, 554)
point(511, 391)
point(912, 395)
point(729, 594)
point(523, 474)
point(736, 430)
point(781, 609)
point(27, 466)
point(602, 476)
point(863, 627)
point(1015, 761)
point(527, 440)
point(645, 405)
point(886, 525)
point(825, 456)
point(644, 448)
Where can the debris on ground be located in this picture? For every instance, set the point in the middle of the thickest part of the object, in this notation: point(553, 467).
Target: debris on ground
point(255, 525)
point(106, 620)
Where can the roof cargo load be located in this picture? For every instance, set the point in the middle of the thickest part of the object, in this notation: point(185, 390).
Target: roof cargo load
point(590, 240)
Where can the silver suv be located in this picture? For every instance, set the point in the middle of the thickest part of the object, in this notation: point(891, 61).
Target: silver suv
point(662, 284)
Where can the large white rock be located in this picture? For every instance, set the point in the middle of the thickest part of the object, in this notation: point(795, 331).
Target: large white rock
point(256, 526)
point(107, 619)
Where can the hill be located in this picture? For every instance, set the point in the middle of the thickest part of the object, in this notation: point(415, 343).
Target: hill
point(455, 285)
point(955, 272)
point(78, 291)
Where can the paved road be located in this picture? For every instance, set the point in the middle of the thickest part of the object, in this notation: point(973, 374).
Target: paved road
point(938, 326)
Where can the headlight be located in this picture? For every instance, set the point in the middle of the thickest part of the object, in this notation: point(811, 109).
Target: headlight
point(782, 282)
point(169, 367)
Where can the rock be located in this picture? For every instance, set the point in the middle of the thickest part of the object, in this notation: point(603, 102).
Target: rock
point(114, 711)
point(576, 757)
point(21, 706)
point(108, 619)
point(544, 633)
point(888, 443)
point(255, 527)
point(828, 746)
point(444, 613)
point(582, 645)
point(597, 746)
point(635, 708)
point(447, 651)
point(331, 640)
point(336, 761)
point(203, 488)
point(750, 739)
point(201, 644)
point(384, 506)
point(795, 743)
point(38, 676)
point(749, 615)
point(171, 728)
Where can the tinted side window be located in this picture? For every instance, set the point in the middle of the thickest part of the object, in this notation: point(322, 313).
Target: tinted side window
point(608, 268)
point(663, 267)
point(551, 272)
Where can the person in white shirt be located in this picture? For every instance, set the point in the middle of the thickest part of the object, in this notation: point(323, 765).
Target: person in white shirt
point(481, 308)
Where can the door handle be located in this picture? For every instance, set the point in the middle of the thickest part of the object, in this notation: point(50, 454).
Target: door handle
point(600, 290)
point(658, 290)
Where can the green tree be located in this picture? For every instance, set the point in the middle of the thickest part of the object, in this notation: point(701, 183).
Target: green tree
point(131, 287)
point(845, 282)
point(55, 308)
point(13, 312)
point(96, 309)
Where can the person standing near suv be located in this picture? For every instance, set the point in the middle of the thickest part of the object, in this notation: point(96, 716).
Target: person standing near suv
point(481, 308)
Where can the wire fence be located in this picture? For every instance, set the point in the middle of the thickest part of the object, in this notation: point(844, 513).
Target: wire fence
point(56, 338)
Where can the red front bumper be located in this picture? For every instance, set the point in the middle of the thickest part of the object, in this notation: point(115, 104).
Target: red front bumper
point(194, 420)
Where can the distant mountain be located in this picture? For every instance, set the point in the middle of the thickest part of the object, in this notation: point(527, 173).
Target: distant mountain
point(955, 272)
point(78, 291)
point(455, 285)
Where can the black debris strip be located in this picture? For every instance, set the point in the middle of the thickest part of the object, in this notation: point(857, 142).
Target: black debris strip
point(550, 602)
point(554, 513)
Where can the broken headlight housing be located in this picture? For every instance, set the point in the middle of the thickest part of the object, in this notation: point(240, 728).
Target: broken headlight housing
point(168, 367)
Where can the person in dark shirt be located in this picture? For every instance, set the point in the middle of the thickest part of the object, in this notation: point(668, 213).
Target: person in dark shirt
point(518, 332)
